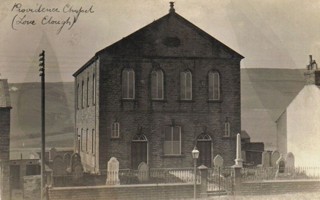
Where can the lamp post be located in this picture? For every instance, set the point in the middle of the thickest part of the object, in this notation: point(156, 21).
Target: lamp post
point(195, 156)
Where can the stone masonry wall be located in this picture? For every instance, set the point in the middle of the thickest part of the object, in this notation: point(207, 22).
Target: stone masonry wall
point(148, 192)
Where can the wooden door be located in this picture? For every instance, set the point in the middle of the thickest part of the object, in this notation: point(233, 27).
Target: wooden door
point(139, 153)
point(204, 148)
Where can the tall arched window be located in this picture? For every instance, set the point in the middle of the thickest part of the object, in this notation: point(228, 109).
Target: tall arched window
point(157, 84)
point(214, 85)
point(186, 85)
point(128, 84)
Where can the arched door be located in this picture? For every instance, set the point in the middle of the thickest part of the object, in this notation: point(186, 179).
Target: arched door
point(204, 145)
point(139, 150)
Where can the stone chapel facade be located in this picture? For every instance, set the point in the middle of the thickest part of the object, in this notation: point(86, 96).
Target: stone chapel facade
point(154, 95)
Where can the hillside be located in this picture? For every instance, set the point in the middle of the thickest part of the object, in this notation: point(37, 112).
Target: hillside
point(25, 117)
point(265, 93)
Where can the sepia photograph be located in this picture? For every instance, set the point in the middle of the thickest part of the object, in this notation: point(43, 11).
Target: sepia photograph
point(159, 99)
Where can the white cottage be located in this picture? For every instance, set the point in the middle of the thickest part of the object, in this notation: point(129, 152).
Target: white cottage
point(298, 127)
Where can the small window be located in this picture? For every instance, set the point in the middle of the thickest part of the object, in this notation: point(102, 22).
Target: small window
point(128, 84)
point(227, 128)
point(87, 95)
point(157, 84)
point(115, 130)
point(93, 89)
point(82, 140)
point(78, 96)
point(172, 140)
point(82, 95)
point(186, 85)
point(93, 141)
point(87, 140)
point(214, 85)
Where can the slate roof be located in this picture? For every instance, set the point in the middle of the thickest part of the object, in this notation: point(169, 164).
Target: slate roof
point(4, 94)
point(146, 42)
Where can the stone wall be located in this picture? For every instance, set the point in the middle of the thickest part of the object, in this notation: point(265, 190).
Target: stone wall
point(277, 187)
point(31, 187)
point(148, 192)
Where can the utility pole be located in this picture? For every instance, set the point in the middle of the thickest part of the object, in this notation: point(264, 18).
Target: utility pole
point(43, 141)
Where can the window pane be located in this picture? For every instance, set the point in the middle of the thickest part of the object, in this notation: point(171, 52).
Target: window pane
point(168, 134)
point(131, 84)
point(210, 85)
point(160, 84)
point(167, 147)
point(188, 85)
point(93, 90)
point(176, 147)
point(154, 85)
point(216, 86)
point(183, 85)
point(124, 84)
point(176, 133)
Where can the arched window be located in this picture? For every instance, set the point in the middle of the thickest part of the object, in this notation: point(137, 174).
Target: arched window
point(128, 84)
point(214, 85)
point(186, 85)
point(82, 95)
point(157, 84)
point(115, 132)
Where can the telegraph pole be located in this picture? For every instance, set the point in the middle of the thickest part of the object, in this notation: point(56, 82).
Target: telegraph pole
point(43, 141)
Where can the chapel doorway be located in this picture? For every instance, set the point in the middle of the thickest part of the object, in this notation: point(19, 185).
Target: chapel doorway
point(204, 145)
point(139, 150)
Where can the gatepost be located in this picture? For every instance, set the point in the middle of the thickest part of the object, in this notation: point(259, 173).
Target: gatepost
point(204, 182)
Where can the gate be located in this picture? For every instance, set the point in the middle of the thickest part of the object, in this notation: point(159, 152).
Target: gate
point(220, 180)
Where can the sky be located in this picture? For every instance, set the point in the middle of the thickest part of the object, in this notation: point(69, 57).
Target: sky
point(268, 33)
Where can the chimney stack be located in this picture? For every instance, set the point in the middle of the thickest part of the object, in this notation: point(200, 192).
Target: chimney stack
point(312, 75)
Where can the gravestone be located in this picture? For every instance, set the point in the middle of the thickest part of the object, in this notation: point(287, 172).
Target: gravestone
point(52, 153)
point(218, 161)
point(218, 165)
point(58, 166)
point(77, 173)
point(76, 167)
point(143, 172)
point(265, 159)
point(274, 158)
point(66, 159)
point(113, 172)
point(281, 166)
point(290, 160)
point(75, 159)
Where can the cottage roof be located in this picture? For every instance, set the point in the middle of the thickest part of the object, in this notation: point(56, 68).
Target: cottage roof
point(244, 135)
point(171, 36)
point(4, 94)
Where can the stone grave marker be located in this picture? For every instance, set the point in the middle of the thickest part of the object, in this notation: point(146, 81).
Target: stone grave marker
point(281, 166)
point(66, 159)
point(274, 158)
point(290, 160)
point(77, 172)
point(265, 159)
point(52, 153)
point(143, 172)
point(218, 161)
point(113, 172)
point(58, 166)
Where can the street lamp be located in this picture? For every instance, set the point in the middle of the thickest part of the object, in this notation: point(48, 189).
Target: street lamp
point(195, 156)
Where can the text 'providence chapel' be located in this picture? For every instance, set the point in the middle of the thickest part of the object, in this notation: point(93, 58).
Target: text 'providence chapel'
point(154, 95)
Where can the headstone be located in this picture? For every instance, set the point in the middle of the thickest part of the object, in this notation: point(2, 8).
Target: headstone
point(58, 166)
point(265, 159)
point(113, 172)
point(281, 166)
point(77, 172)
point(143, 172)
point(218, 161)
point(52, 153)
point(76, 167)
point(66, 159)
point(75, 159)
point(238, 160)
point(290, 160)
point(274, 158)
